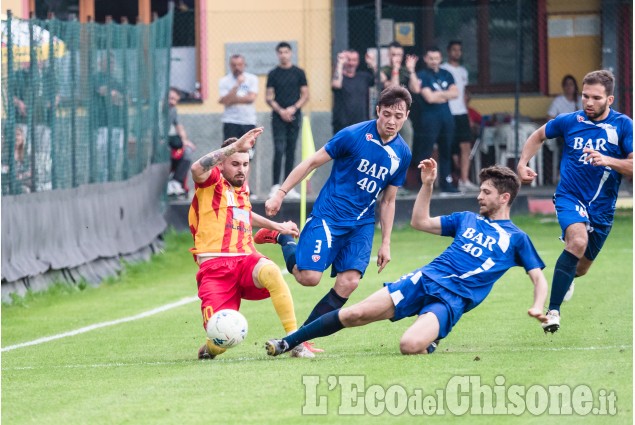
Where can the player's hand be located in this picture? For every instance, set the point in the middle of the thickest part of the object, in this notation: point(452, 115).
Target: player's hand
point(289, 228)
point(272, 205)
point(596, 159)
point(526, 174)
point(428, 169)
point(383, 257)
point(248, 140)
point(538, 314)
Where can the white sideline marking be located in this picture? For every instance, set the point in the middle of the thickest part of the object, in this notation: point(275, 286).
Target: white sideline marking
point(102, 324)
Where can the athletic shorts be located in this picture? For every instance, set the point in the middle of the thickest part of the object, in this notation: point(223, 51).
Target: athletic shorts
point(416, 294)
point(344, 247)
point(569, 211)
point(462, 131)
point(224, 281)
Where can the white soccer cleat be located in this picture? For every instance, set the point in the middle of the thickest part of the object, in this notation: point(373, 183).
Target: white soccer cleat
point(553, 321)
point(301, 351)
point(569, 294)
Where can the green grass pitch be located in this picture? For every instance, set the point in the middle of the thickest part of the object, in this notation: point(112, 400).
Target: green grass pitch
point(145, 371)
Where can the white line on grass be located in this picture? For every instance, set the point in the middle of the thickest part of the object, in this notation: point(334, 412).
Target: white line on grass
point(103, 324)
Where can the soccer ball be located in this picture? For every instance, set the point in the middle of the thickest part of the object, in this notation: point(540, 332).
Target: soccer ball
point(227, 328)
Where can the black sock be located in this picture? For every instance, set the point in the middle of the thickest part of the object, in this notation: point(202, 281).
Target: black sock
point(330, 302)
point(562, 277)
point(288, 245)
point(324, 325)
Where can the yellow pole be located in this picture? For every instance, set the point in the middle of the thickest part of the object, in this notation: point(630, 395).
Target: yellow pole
point(308, 149)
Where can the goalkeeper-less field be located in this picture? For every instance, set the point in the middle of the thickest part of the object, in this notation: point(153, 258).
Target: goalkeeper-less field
point(125, 352)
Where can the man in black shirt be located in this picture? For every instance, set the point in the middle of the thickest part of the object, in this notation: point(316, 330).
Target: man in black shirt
point(287, 92)
point(350, 90)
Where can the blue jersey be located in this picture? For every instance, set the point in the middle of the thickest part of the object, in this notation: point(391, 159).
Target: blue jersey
point(595, 187)
point(482, 251)
point(435, 81)
point(363, 166)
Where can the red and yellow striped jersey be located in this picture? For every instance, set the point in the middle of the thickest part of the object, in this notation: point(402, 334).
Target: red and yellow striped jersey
point(220, 218)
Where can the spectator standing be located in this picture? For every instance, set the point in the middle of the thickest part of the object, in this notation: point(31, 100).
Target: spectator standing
point(350, 90)
point(402, 74)
point(287, 92)
point(436, 86)
point(181, 148)
point(462, 145)
point(238, 90)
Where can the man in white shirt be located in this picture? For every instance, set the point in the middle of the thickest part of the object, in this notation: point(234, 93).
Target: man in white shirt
point(463, 136)
point(238, 90)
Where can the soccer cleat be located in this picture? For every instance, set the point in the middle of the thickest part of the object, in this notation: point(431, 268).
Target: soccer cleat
point(275, 347)
point(553, 321)
point(266, 236)
point(433, 346)
point(569, 294)
point(309, 346)
point(204, 354)
point(301, 350)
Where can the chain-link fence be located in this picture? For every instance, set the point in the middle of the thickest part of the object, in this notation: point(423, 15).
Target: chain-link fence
point(82, 103)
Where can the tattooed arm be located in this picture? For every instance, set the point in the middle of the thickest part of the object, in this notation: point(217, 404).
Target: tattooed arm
point(202, 168)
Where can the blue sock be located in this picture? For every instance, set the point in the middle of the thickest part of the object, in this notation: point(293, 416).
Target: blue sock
point(330, 302)
point(289, 246)
point(324, 325)
point(562, 277)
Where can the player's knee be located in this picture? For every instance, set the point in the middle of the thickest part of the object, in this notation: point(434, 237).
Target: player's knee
point(408, 346)
point(577, 245)
point(352, 316)
point(308, 279)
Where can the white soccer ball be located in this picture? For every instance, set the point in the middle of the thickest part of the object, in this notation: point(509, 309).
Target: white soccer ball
point(227, 328)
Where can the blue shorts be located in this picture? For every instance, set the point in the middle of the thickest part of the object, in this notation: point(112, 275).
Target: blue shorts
point(416, 294)
point(345, 247)
point(570, 211)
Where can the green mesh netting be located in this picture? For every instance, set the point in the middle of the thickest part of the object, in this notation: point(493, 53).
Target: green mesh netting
point(82, 103)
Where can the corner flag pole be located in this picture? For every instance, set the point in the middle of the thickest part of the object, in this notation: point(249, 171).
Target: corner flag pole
point(308, 149)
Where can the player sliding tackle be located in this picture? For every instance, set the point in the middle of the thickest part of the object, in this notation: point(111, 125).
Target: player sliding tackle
point(485, 246)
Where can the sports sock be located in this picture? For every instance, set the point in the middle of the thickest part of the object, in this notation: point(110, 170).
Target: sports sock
point(324, 325)
point(330, 302)
point(271, 279)
point(213, 348)
point(288, 245)
point(562, 277)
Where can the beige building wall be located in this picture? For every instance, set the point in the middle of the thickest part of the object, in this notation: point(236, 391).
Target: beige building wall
point(19, 8)
point(308, 22)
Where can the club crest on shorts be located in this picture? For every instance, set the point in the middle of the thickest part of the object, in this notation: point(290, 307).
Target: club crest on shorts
point(315, 258)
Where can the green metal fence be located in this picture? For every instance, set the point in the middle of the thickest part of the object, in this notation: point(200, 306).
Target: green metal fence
point(82, 103)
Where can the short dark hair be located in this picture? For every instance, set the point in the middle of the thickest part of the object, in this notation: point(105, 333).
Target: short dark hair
point(396, 44)
point(175, 90)
point(454, 42)
point(603, 77)
point(431, 49)
point(503, 179)
point(282, 45)
point(392, 95)
point(228, 142)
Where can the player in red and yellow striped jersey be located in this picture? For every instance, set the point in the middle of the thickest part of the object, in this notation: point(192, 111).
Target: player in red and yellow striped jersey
point(220, 218)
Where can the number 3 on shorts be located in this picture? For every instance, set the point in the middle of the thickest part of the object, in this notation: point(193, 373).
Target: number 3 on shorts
point(318, 246)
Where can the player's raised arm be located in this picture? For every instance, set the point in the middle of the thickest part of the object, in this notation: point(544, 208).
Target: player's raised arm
point(530, 149)
point(421, 219)
point(540, 294)
point(299, 173)
point(202, 168)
